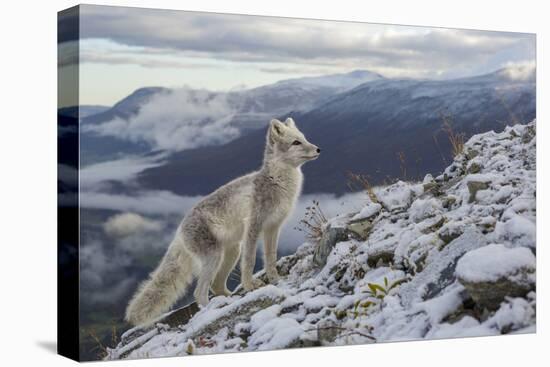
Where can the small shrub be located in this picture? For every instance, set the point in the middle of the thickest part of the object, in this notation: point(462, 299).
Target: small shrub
point(313, 222)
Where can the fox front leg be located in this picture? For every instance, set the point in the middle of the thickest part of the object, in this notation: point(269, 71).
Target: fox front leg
point(271, 239)
point(248, 258)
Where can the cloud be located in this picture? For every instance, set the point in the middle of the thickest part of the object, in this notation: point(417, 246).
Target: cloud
point(124, 170)
point(96, 263)
point(521, 71)
point(143, 202)
point(108, 52)
point(126, 224)
point(410, 51)
point(176, 120)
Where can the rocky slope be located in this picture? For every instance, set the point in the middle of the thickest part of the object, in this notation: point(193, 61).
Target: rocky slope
point(452, 256)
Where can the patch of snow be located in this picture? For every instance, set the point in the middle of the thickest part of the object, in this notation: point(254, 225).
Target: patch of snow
point(275, 334)
point(368, 211)
point(494, 261)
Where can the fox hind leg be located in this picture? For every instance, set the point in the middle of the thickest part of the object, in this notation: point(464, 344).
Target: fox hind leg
point(230, 258)
point(209, 268)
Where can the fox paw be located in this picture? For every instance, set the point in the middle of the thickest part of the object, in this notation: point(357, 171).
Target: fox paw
point(253, 284)
point(221, 291)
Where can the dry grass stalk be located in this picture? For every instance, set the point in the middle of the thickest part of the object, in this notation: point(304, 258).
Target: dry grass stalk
point(358, 182)
point(313, 222)
point(456, 139)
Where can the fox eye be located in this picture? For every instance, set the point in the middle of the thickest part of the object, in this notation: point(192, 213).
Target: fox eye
point(296, 142)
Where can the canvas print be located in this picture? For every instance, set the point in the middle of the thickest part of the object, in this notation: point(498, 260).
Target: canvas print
point(234, 183)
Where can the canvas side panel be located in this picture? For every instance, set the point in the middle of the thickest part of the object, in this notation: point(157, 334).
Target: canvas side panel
point(67, 183)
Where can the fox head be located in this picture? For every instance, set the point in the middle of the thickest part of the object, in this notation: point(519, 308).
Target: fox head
point(287, 144)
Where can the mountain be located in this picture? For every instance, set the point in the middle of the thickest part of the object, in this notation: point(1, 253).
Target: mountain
point(82, 110)
point(410, 265)
point(95, 148)
point(300, 94)
point(257, 106)
point(342, 82)
point(126, 107)
point(251, 108)
point(363, 130)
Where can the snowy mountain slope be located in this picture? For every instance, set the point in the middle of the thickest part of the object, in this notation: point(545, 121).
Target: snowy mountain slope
point(361, 131)
point(448, 257)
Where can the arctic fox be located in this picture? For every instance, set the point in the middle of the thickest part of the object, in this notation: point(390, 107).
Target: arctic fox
point(226, 225)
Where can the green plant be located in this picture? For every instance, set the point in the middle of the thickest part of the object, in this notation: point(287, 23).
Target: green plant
point(375, 294)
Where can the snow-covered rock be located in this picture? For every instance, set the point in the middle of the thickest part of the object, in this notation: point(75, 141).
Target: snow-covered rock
point(452, 261)
point(494, 272)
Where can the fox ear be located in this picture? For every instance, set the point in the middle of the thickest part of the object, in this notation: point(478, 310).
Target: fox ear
point(290, 122)
point(276, 129)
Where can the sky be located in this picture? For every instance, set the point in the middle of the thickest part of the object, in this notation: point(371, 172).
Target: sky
point(122, 49)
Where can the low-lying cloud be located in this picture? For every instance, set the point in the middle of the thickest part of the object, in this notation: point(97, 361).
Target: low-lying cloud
point(126, 224)
point(124, 170)
point(144, 202)
point(176, 120)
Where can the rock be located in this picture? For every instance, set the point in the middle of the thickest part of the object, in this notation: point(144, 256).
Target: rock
point(471, 153)
point(432, 188)
point(361, 223)
point(181, 315)
point(473, 167)
point(474, 187)
point(396, 197)
point(494, 272)
point(422, 209)
point(327, 330)
point(528, 134)
point(448, 201)
point(450, 231)
point(439, 272)
point(361, 228)
point(369, 212)
point(331, 236)
point(380, 257)
point(490, 295)
point(432, 227)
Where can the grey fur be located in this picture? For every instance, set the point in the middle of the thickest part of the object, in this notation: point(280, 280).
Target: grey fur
point(226, 225)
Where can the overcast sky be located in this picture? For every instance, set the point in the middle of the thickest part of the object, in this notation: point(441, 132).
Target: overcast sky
point(123, 49)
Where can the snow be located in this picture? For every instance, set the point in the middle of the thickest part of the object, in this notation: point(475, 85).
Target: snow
point(439, 307)
point(422, 209)
point(368, 211)
point(417, 252)
point(276, 333)
point(396, 196)
point(494, 261)
point(261, 318)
